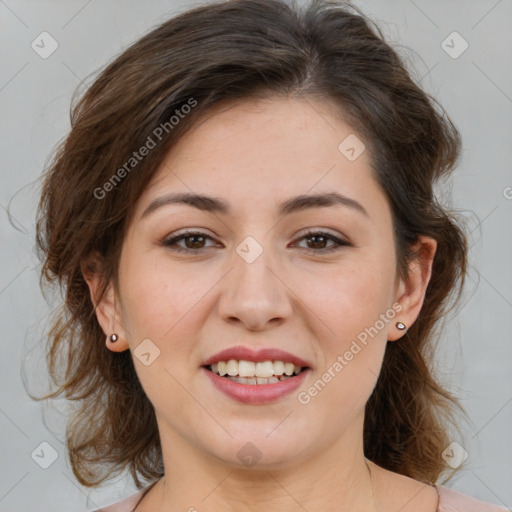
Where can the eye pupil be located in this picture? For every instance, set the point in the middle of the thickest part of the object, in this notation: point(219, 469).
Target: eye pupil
point(193, 245)
point(316, 237)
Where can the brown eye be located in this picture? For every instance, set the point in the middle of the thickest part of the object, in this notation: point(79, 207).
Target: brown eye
point(194, 242)
point(319, 239)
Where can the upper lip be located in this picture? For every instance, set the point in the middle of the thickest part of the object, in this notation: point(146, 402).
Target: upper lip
point(247, 354)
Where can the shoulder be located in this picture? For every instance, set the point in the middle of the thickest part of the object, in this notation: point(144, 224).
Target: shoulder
point(126, 505)
point(449, 501)
point(455, 501)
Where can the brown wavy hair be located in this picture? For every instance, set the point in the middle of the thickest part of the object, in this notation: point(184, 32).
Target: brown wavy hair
point(226, 52)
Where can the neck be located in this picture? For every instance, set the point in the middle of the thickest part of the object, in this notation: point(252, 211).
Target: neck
point(342, 482)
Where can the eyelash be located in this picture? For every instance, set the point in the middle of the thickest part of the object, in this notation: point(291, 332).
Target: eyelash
point(171, 243)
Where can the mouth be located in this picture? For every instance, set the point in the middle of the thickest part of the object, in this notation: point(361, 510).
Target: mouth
point(256, 373)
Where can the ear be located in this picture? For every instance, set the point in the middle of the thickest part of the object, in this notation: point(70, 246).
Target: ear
point(411, 292)
point(107, 313)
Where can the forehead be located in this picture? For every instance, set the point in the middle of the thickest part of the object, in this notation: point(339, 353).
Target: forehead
point(257, 151)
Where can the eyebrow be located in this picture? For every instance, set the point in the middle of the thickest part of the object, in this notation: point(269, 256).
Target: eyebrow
point(220, 206)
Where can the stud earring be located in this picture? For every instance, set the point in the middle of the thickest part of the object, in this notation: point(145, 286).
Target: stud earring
point(113, 338)
point(401, 326)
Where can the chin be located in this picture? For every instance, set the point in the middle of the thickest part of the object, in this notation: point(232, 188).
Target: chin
point(260, 452)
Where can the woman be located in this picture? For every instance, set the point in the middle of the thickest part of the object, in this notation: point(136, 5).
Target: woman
point(254, 261)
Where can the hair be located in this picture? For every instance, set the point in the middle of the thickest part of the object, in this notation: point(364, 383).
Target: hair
point(223, 53)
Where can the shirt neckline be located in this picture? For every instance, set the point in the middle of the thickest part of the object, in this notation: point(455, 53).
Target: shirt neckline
point(142, 496)
point(154, 483)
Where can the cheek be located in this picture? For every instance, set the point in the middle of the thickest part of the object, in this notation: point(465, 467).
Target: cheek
point(355, 313)
point(352, 355)
point(351, 297)
point(156, 297)
point(157, 305)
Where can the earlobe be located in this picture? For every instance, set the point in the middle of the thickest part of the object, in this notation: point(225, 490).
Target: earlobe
point(115, 343)
point(411, 292)
point(104, 303)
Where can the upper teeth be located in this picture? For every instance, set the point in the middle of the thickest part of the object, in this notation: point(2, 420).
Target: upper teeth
point(251, 369)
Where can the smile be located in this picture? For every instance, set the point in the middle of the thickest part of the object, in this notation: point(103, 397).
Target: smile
point(255, 389)
point(255, 373)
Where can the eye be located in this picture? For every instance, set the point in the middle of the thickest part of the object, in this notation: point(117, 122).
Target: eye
point(320, 238)
point(194, 241)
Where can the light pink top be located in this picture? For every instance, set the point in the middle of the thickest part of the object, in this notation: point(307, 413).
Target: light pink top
point(449, 501)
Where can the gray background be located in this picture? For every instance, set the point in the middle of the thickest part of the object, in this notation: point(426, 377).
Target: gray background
point(476, 90)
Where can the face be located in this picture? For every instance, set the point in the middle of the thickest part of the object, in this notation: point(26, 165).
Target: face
point(318, 282)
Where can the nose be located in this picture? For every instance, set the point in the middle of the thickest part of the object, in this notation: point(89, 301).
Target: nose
point(255, 294)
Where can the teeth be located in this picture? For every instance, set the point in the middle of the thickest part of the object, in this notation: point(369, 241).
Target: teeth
point(278, 367)
point(288, 368)
point(258, 380)
point(247, 369)
point(263, 369)
point(250, 369)
point(268, 380)
point(222, 368)
point(232, 367)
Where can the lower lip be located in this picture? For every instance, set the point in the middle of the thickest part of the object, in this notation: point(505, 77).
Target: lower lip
point(256, 393)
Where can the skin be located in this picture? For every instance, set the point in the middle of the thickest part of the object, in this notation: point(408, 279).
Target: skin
point(255, 154)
